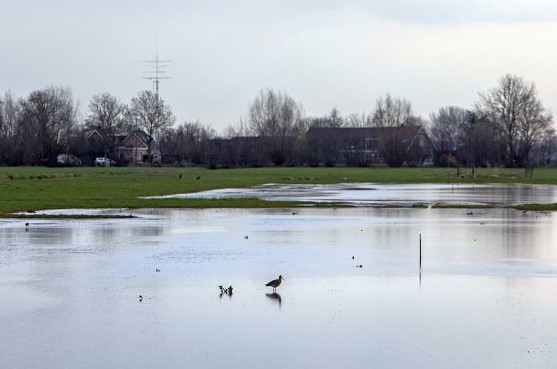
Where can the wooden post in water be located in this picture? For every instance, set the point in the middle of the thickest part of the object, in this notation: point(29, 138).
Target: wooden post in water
point(420, 251)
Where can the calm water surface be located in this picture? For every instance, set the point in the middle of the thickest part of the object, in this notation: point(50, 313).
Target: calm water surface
point(485, 297)
point(369, 194)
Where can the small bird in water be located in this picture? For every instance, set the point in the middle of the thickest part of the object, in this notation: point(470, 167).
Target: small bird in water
point(275, 283)
point(352, 257)
point(157, 270)
point(27, 226)
point(229, 289)
point(246, 237)
point(140, 298)
point(359, 266)
point(221, 289)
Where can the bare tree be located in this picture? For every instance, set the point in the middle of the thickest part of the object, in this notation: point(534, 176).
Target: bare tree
point(10, 110)
point(393, 112)
point(391, 116)
point(332, 120)
point(447, 132)
point(335, 118)
point(242, 129)
point(106, 113)
point(4, 146)
point(543, 152)
point(149, 112)
point(519, 115)
point(47, 119)
point(193, 136)
point(359, 120)
point(276, 116)
point(481, 143)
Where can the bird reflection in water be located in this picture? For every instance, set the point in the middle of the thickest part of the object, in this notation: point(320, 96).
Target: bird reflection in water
point(274, 296)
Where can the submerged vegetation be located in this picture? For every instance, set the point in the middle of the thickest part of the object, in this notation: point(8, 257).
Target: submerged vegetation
point(24, 189)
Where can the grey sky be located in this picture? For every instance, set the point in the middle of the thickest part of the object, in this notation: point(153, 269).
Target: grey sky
point(323, 53)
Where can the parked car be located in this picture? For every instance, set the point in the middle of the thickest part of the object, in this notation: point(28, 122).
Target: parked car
point(104, 162)
point(67, 160)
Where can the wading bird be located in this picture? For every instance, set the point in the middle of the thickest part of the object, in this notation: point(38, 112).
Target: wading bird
point(275, 283)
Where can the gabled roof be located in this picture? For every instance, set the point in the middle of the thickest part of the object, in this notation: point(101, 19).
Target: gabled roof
point(94, 133)
point(136, 139)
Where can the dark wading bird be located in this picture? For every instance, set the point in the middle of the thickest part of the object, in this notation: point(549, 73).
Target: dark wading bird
point(275, 283)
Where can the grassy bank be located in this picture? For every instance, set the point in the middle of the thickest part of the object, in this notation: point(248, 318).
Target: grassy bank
point(37, 188)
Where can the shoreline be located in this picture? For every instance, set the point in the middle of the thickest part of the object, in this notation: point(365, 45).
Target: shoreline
point(31, 189)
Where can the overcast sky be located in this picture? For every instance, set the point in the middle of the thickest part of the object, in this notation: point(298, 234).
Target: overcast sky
point(323, 53)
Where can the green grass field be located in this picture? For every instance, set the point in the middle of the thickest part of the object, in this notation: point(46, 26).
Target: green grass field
point(37, 188)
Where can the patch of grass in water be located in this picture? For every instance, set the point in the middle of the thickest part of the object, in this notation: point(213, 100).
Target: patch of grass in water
point(70, 216)
point(536, 207)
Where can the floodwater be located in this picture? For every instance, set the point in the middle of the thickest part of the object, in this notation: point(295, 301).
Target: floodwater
point(365, 194)
point(485, 296)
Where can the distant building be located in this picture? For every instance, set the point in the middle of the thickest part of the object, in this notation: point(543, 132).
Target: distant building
point(251, 151)
point(96, 143)
point(134, 149)
point(126, 148)
point(363, 146)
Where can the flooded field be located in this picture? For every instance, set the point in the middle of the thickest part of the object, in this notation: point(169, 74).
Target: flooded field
point(485, 296)
point(363, 194)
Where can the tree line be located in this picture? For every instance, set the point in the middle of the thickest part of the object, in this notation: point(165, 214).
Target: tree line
point(507, 125)
point(34, 130)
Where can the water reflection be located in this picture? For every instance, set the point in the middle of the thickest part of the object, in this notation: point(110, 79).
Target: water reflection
point(489, 275)
point(275, 296)
point(399, 195)
point(420, 277)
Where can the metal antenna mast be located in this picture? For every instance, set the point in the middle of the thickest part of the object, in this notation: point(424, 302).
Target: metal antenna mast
point(157, 68)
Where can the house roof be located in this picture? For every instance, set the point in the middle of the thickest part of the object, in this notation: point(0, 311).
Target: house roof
point(93, 132)
point(357, 137)
point(363, 132)
point(136, 139)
